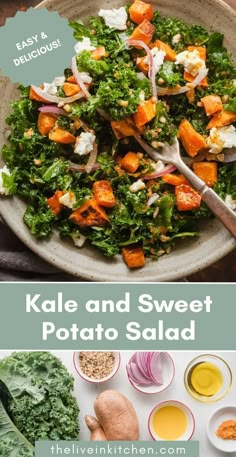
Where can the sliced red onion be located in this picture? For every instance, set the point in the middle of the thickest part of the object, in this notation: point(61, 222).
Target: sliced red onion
point(151, 73)
point(156, 212)
point(138, 358)
point(52, 109)
point(78, 78)
point(157, 174)
point(145, 368)
point(156, 368)
point(92, 159)
point(54, 98)
point(152, 199)
point(76, 167)
point(168, 91)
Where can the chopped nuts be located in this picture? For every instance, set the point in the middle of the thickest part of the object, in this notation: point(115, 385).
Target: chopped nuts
point(29, 133)
point(123, 103)
point(96, 365)
point(37, 162)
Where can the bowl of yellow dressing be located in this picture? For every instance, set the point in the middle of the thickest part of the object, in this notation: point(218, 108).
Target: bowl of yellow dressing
point(171, 421)
point(208, 378)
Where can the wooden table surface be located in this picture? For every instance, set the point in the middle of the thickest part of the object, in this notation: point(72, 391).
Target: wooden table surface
point(222, 271)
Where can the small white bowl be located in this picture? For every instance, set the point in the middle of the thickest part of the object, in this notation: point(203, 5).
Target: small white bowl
point(168, 367)
point(97, 381)
point(219, 416)
point(187, 435)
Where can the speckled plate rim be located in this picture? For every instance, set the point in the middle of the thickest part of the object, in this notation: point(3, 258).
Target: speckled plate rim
point(187, 258)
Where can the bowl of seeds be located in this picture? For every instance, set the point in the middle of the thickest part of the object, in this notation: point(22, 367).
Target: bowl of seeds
point(96, 366)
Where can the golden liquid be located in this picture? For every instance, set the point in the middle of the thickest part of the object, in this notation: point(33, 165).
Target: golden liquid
point(206, 379)
point(169, 423)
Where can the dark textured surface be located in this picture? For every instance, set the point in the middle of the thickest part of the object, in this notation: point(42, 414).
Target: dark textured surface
point(222, 271)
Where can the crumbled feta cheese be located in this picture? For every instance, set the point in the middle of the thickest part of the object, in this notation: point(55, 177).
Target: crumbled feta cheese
point(79, 240)
point(68, 199)
point(158, 59)
point(137, 185)
point(230, 202)
point(50, 89)
point(85, 77)
point(59, 81)
point(84, 45)
point(140, 75)
point(142, 96)
point(191, 61)
point(221, 138)
point(176, 38)
point(84, 143)
point(158, 166)
point(3, 190)
point(115, 18)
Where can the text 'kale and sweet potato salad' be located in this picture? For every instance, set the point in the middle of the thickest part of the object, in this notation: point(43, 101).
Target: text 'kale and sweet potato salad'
point(74, 155)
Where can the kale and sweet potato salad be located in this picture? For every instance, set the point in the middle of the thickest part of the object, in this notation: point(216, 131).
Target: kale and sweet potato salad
point(74, 155)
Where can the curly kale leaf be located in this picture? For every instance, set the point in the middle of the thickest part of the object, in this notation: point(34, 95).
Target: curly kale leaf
point(12, 442)
point(167, 28)
point(80, 30)
point(219, 60)
point(40, 403)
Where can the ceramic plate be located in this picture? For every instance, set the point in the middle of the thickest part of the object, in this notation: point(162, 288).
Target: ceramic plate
point(219, 416)
point(189, 256)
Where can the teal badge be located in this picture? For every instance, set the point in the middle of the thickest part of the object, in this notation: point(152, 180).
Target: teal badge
point(35, 46)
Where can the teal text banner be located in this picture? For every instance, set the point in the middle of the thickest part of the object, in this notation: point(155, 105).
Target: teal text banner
point(117, 316)
point(138, 448)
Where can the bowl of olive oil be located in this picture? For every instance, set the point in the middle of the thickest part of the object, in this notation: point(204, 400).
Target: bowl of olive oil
point(208, 378)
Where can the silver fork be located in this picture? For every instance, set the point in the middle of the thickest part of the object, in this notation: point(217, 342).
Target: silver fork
point(171, 154)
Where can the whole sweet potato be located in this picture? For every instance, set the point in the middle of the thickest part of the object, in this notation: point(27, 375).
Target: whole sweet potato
point(116, 416)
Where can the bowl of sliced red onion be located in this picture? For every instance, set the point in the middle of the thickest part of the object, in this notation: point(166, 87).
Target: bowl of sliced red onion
point(150, 372)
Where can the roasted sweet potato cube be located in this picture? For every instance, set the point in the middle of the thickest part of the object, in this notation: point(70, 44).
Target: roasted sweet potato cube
point(103, 194)
point(207, 171)
point(170, 53)
point(212, 104)
point(133, 256)
point(130, 162)
point(142, 65)
point(71, 89)
point(139, 11)
point(191, 140)
point(90, 214)
point(222, 119)
point(61, 136)
point(145, 113)
point(144, 32)
point(54, 203)
point(98, 53)
point(46, 122)
point(187, 198)
point(174, 180)
point(71, 79)
point(123, 128)
point(34, 96)
point(200, 49)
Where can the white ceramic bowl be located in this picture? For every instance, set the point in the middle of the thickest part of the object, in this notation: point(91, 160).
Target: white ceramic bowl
point(189, 416)
point(219, 416)
point(97, 381)
point(168, 367)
